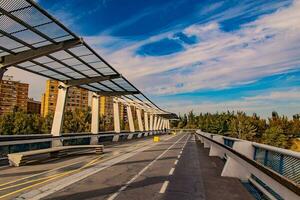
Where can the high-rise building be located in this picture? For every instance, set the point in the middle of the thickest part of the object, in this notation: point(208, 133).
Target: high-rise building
point(106, 108)
point(13, 95)
point(77, 98)
point(33, 107)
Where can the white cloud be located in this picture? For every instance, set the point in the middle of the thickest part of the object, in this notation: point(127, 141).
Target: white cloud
point(284, 102)
point(290, 95)
point(267, 46)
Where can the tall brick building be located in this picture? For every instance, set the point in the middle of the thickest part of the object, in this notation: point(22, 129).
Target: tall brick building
point(13, 95)
point(77, 98)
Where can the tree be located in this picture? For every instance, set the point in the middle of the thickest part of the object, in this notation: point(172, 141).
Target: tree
point(241, 127)
point(275, 136)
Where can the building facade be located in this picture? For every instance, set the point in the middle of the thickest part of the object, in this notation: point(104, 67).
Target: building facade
point(106, 107)
point(77, 98)
point(33, 107)
point(13, 95)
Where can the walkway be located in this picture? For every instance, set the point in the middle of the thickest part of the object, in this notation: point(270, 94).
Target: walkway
point(176, 168)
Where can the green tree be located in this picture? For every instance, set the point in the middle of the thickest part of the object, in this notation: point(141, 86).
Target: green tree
point(275, 136)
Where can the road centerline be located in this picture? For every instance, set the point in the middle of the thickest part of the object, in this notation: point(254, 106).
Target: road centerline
point(112, 197)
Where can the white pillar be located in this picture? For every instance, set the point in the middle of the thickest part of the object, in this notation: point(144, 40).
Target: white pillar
point(151, 122)
point(146, 121)
point(155, 123)
point(161, 123)
point(139, 117)
point(158, 123)
point(130, 119)
point(116, 120)
point(59, 109)
point(95, 118)
point(95, 113)
point(116, 116)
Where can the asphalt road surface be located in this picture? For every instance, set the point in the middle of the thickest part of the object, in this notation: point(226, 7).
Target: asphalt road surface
point(177, 167)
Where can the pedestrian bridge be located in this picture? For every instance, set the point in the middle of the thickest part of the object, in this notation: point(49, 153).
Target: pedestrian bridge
point(183, 164)
point(187, 164)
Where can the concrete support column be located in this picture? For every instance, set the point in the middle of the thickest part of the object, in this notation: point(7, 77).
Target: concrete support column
point(140, 122)
point(151, 122)
point(146, 121)
point(95, 118)
point(116, 120)
point(131, 123)
point(155, 123)
point(158, 123)
point(59, 113)
point(130, 119)
point(139, 117)
point(161, 124)
point(95, 113)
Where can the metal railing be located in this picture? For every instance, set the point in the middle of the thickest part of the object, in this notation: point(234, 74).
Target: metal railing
point(20, 143)
point(274, 171)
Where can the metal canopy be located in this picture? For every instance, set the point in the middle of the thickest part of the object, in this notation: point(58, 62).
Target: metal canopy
point(26, 33)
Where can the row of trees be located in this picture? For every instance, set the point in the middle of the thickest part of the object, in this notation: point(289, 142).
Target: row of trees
point(277, 130)
point(78, 121)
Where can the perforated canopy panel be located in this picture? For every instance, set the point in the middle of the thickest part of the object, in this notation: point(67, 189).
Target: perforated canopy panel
point(25, 26)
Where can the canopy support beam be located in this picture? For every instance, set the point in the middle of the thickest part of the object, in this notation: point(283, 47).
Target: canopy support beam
point(14, 59)
point(117, 93)
point(77, 82)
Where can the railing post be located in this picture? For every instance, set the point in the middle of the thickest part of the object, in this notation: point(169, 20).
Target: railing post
point(58, 119)
point(233, 168)
point(215, 150)
point(116, 119)
point(95, 118)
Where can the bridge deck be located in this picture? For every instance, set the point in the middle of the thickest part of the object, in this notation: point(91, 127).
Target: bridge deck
point(146, 171)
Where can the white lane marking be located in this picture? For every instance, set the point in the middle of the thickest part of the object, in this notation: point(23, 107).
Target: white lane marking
point(176, 161)
point(164, 187)
point(178, 156)
point(180, 152)
point(112, 197)
point(64, 182)
point(171, 171)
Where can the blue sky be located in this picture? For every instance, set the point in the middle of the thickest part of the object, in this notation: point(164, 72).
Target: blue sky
point(207, 55)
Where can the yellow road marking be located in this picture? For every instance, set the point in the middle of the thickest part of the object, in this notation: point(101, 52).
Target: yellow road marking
point(92, 162)
point(47, 177)
point(7, 183)
point(56, 176)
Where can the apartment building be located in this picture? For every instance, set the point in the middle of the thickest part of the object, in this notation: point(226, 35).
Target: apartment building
point(13, 95)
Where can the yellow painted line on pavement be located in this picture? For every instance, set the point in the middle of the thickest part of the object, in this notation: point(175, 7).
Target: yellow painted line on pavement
point(10, 182)
point(52, 177)
point(74, 163)
point(47, 177)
